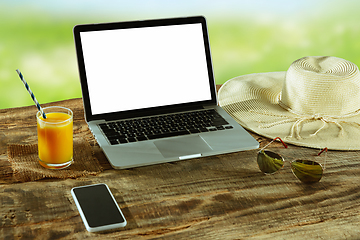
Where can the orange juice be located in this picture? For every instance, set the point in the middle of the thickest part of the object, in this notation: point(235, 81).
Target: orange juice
point(55, 137)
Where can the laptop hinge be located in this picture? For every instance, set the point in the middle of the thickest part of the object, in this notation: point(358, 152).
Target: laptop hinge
point(152, 112)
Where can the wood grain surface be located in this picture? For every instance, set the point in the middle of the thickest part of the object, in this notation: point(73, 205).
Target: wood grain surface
point(219, 197)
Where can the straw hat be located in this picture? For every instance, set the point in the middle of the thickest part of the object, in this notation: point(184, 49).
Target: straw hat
point(315, 103)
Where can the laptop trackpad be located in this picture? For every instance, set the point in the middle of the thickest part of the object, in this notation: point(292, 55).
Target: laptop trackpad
point(182, 147)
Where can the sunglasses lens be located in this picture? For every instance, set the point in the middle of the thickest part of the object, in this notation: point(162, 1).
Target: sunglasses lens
point(307, 171)
point(269, 162)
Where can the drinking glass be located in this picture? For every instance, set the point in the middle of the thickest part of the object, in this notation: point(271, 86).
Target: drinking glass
point(55, 137)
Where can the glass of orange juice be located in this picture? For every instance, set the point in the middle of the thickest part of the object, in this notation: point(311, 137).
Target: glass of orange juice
point(55, 137)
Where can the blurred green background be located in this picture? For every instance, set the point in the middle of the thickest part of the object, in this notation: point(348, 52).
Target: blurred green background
point(246, 36)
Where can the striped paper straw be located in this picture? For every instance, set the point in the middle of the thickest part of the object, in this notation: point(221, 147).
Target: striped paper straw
point(31, 93)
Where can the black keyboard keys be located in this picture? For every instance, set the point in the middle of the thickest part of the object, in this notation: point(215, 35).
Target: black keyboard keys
point(156, 127)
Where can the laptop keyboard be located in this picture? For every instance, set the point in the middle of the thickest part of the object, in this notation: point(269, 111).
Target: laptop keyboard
point(149, 128)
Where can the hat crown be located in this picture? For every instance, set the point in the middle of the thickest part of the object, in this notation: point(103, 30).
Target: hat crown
point(321, 85)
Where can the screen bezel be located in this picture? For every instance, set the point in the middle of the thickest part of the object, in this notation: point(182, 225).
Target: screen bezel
point(89, 116)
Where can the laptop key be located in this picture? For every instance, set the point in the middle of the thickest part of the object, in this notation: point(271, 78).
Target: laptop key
point(113, 135)
point(194, 130)
point(104, 126)
point(123, 140)
point(203, 129)
point(217, 119)
point(114, 142)
point(109, 131)
point(141, 138)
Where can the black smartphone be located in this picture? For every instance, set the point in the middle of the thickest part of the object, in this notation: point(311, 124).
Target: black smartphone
point(98, 207)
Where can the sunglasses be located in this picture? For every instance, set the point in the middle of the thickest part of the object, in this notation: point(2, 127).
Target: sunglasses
point(307, 171)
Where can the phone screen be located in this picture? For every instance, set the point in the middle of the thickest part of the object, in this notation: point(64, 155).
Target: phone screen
point(98, 207)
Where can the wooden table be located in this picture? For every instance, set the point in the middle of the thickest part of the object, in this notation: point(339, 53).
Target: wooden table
point(219, 197)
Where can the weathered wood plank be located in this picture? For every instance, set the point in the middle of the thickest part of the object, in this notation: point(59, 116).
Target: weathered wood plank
point(219, 197)
point(187, 199)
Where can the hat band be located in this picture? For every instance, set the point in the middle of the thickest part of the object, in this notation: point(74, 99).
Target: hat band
point(284, 106)
point(300, 119)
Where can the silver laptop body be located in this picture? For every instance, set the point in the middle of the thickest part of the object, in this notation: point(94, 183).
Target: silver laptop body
point(135, 72)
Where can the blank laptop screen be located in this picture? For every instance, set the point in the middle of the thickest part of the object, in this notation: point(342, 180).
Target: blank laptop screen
point(139, 68)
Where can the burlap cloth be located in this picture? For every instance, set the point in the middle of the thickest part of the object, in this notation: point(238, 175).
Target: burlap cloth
point(25, 165)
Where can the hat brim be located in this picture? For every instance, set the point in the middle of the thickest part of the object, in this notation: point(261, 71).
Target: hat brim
point(253, 101)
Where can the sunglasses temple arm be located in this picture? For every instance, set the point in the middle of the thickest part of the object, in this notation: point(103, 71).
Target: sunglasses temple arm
point(272, 142)
point(324, 150)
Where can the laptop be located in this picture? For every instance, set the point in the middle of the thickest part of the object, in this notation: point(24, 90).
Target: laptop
point(141, 80)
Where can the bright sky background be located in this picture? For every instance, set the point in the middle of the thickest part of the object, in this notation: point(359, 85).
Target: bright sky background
point(166, 8)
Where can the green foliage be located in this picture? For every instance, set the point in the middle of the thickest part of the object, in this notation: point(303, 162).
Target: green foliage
point(41, 46)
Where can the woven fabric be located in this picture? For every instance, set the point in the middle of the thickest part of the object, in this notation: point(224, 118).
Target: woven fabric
point(316, 103)
point(24, 161)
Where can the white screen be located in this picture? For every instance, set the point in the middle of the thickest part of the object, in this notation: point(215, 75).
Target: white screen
point(139, 68)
